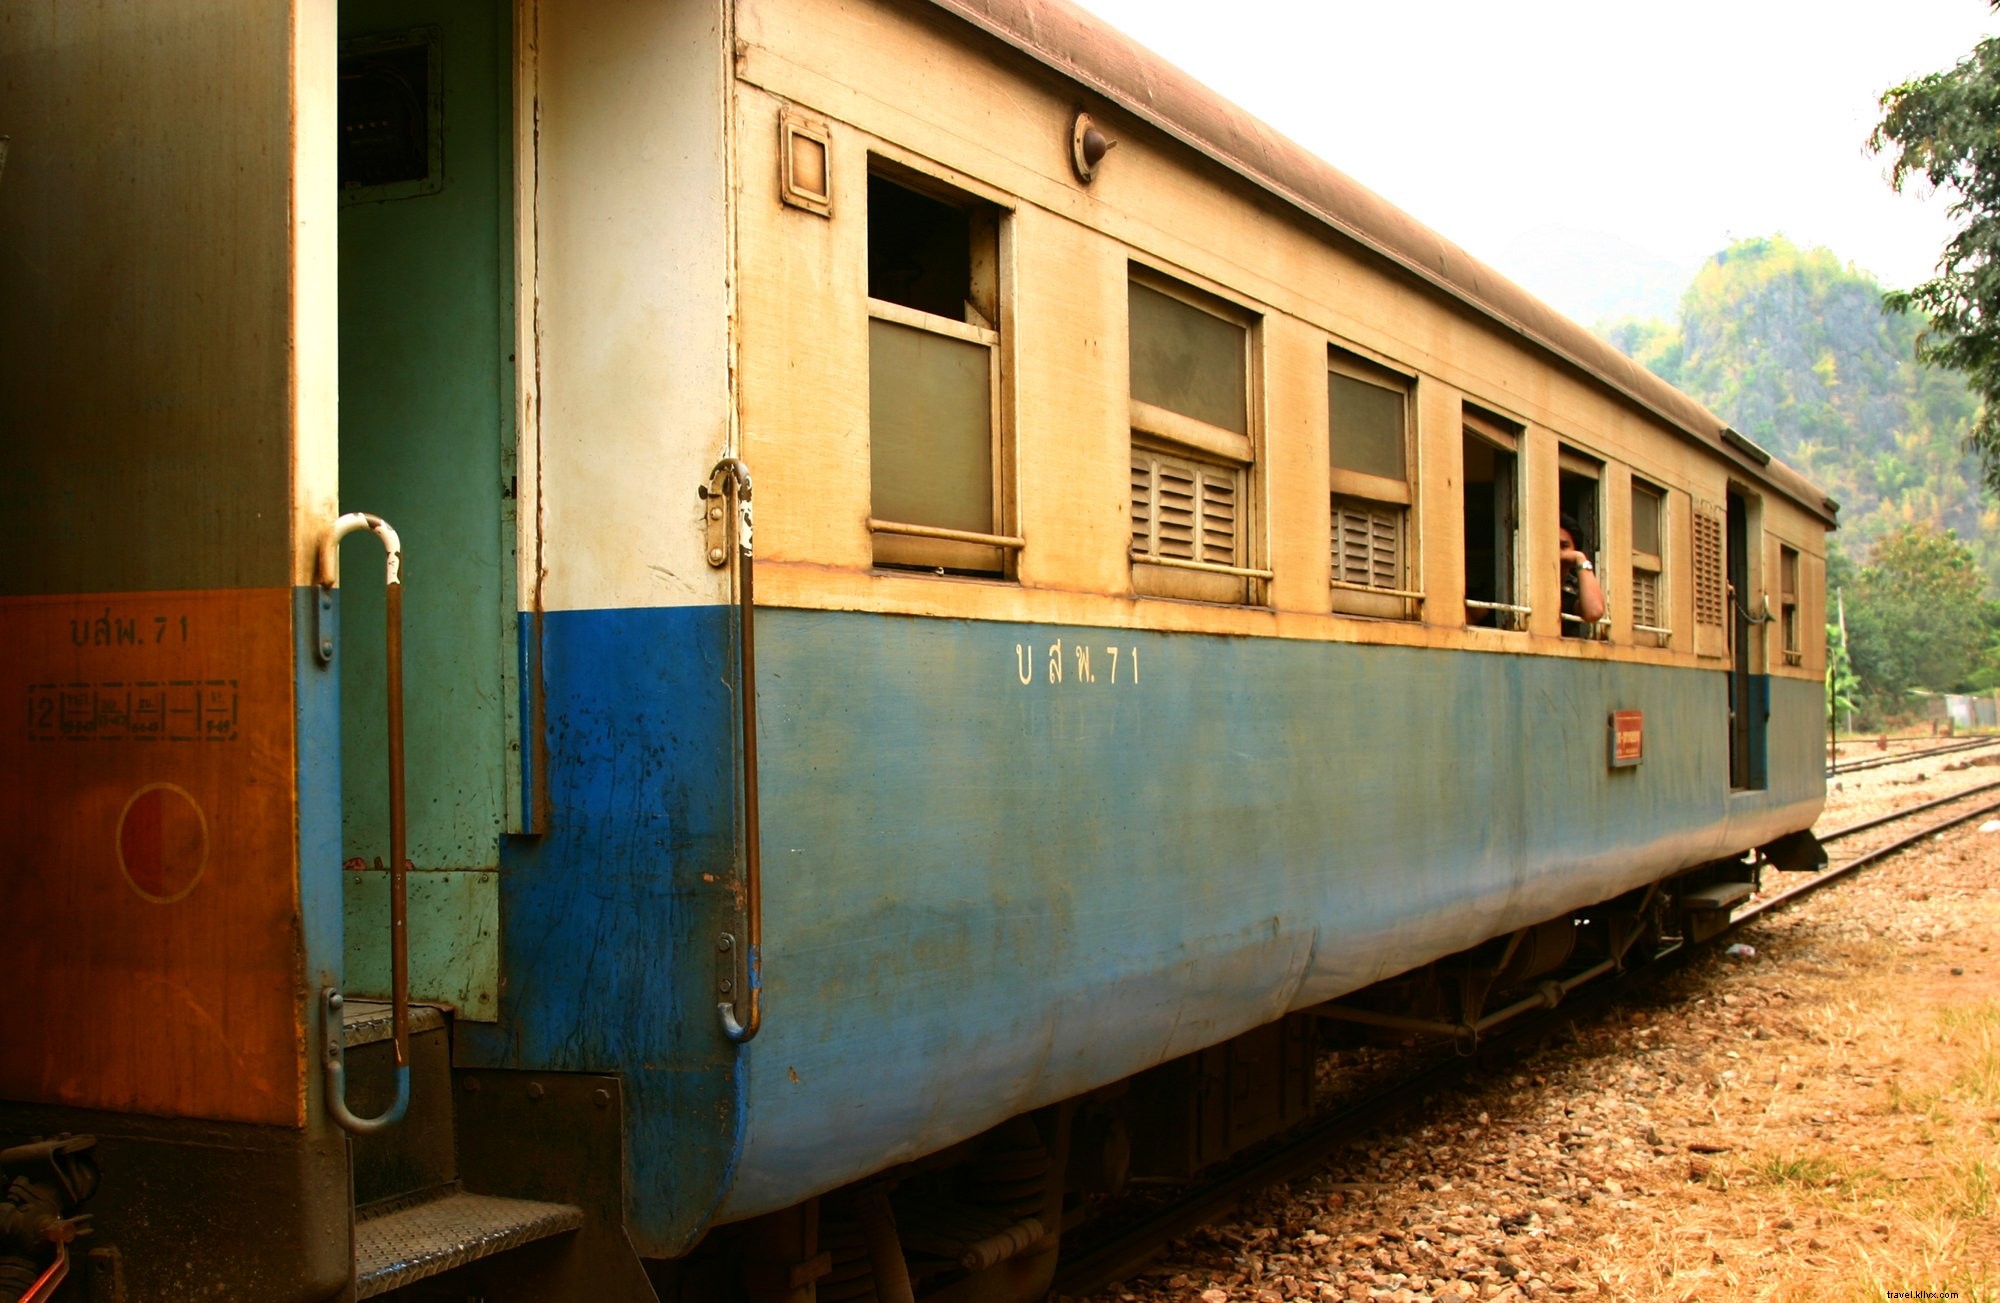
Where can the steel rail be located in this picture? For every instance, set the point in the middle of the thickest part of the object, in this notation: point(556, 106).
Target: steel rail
point(1925, 753)
point(1896, 815)
point(1757, 909)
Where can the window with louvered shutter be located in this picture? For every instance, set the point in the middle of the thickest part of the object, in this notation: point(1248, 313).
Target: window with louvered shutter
point(1646, 599)
point(1185, 510)
point(1367, 544)
point(1369, 488)
point(1192, 445)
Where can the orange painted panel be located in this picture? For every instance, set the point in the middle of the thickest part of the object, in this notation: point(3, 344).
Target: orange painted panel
point(150, 942)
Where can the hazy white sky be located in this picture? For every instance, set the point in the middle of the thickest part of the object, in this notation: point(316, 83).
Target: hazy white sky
point(1677, 127)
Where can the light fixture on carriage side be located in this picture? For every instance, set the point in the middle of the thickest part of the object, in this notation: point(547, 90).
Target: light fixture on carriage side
point(1087, 147)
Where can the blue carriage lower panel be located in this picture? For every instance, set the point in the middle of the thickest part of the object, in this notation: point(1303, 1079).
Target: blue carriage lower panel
point(609, 916)
point(1005, 864)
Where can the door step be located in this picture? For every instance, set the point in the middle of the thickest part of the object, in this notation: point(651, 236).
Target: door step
point(1722, 895)
point(367, 1022)
point(408, 1241)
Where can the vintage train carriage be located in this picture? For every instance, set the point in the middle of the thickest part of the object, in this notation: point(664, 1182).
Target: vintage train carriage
point(1156, 632)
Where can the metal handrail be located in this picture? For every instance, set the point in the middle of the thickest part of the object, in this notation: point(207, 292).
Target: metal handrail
point(335, 1061)
point(1345, 586)
point(1206, 567)
point(730, 481)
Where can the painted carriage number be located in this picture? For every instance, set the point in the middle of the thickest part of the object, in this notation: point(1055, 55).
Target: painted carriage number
point(127, 630)
point(1084, 664)
point(178, 710)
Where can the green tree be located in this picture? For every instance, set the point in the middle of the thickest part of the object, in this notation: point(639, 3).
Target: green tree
point(1795, 348)
point(1841, 684)
point(1915, 615)
point(1945, 129)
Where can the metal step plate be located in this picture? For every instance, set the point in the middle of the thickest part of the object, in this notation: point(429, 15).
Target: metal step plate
point(392, 1249)
point(365, 1022)
point(1720, 896)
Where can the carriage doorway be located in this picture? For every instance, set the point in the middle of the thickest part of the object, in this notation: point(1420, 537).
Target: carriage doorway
point(1749, 692)
point(427, 441)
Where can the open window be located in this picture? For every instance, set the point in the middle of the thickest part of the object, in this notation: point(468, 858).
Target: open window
point(1370, 487)
point(1492, 522)
point(1649, 567)
point(939, 490)
point(1193, 448)
point(1788, 605)
point(1580, 502)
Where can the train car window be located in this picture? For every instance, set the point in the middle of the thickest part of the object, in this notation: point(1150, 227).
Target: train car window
point(1368, 446)
point(1192, 450)
point(1788, 604)
point(1580, 502)
point(939, 496)
point(1492, 524)
point(1649, 534)
point(1188, 360)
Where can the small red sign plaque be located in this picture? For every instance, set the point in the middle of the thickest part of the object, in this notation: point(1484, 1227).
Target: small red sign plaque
point(1628, 738)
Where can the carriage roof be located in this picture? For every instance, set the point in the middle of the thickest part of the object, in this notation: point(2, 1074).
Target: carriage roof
point(1089, 52)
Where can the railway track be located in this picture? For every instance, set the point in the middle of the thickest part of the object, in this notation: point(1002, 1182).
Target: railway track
point(1110, 1258)
point(1904, 757)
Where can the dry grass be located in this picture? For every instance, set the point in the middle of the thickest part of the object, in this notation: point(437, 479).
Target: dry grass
point(1862, 1126)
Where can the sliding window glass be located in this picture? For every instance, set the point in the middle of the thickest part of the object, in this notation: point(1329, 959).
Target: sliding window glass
point(1192, 445)
point(1369, 487)
point(939, 487)
point(1492, 523)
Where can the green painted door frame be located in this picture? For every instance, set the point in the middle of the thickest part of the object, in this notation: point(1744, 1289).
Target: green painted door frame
point(427, 441)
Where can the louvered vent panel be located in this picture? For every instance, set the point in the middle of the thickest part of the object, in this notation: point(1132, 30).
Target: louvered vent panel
point(1218, 516)
point(1142, 502)
point(1185, 510)
point(1646, 598)
point(1367, 544)
point(1708, 585)
point(1175, 508)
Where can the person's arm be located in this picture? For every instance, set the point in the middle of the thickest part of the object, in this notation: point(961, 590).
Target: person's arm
point(1589, 593)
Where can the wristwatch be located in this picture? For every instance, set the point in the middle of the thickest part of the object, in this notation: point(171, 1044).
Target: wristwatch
point(1585, 565)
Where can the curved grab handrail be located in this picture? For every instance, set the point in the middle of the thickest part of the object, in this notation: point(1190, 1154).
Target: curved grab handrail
point(730, 481)
point(336, 1076)
point(399, 947)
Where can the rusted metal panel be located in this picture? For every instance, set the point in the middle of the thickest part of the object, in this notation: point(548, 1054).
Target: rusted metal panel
point(151, 802)
point(145, 244)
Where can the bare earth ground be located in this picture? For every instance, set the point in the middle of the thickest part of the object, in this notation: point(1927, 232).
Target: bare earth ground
point(1818, 1121)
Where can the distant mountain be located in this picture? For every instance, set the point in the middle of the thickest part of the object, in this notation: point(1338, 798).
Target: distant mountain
point(1793, 348)
point(1594, 277)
